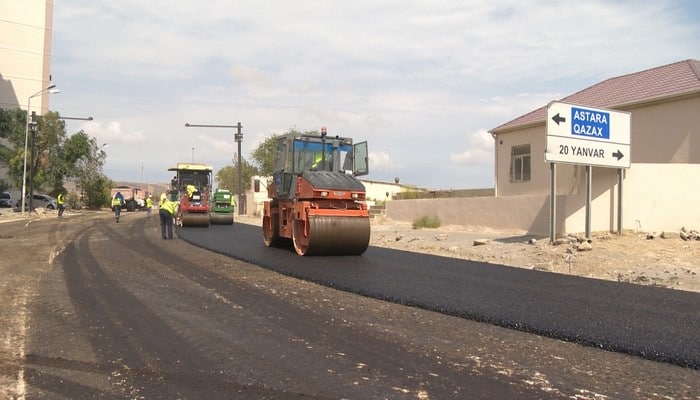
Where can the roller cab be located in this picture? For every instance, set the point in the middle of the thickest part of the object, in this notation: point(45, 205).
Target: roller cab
point(192, 183)
point(317, 203)
point(221, 207)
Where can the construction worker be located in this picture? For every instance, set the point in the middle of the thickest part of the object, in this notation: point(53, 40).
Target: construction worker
point(320, 163)
point(318, 157)
point(60, 199)
point(190, 190)
point(167, 210)
point(163, 198)
point(149, 206)
point(117, 202)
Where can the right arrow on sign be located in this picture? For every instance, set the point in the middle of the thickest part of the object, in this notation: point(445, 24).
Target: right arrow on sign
point(618, 154)
point(557, 118)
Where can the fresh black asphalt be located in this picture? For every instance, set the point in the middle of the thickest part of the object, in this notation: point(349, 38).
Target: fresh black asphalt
point(650, 322)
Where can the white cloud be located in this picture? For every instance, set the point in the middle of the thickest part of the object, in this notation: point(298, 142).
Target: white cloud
point(406, 75)
point(112, 133)
point(479, 151)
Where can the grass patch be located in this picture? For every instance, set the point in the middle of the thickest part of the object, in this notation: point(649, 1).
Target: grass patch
point(426, 222)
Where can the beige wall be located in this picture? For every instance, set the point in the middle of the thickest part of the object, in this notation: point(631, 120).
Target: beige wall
point(26, 30)
point(517, 213)
point(667, 132)
point(661, 197)
point(656, 197)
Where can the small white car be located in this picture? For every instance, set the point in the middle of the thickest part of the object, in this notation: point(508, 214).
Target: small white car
point(5, 199)
point(43, 200)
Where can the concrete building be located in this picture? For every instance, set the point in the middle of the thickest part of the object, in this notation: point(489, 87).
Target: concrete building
point(26, 32)
point(659, 189)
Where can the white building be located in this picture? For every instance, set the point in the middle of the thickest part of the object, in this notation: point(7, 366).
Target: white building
point(26, 31)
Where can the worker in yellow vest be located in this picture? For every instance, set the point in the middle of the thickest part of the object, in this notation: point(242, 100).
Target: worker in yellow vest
point(190, 191)
point(60, 199)
point(167, 210)
point(117, 202)
point(149, 206)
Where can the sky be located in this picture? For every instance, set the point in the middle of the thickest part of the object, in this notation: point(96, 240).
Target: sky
point(421, 81)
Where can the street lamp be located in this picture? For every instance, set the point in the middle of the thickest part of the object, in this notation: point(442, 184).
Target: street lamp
point(238, 137)
point(78, 118)
point(49, 89)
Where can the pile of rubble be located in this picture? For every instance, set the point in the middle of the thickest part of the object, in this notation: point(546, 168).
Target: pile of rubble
point(580, 243)
point(684, 233)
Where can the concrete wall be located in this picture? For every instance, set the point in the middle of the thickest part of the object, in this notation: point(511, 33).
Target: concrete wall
point(661, 197)
point(518, 213)
point(667, 132)
point(656, 197)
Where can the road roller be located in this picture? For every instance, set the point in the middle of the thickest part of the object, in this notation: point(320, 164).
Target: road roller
point(221, 207)
point(192, 183)
point(316, 200)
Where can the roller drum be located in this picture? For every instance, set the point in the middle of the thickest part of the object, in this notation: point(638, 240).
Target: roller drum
point(195, 219)
point(221, 219)
point(332, 235)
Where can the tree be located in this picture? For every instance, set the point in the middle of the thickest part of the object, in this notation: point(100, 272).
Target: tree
point(264, 154)
point(56, 156)
point(50, 164)
point(12, 128)
point(86, 160)
point(227, 177)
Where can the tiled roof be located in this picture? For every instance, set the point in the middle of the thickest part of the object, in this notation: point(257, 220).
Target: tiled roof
point(669, 80)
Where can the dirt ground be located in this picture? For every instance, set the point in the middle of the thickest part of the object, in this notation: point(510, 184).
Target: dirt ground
point(633, 257)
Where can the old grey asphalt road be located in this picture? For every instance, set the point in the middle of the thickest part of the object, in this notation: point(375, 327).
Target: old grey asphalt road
point(95, 309)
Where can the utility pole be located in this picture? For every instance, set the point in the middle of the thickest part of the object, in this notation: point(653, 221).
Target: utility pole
point(238, 138)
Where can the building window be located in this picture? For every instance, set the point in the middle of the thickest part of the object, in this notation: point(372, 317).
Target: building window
point(520, 163)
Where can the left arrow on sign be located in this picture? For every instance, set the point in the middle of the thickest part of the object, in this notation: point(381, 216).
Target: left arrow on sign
point(557, 118)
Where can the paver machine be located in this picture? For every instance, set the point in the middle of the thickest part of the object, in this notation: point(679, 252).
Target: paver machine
point(221, 207)
point(316, 200)
point(192, 183)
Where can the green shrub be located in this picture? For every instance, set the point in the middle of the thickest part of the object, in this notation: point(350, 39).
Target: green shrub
point(408, 194)
point(427, 222)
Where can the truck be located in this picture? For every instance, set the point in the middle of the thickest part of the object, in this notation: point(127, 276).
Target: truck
point(134, 197)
